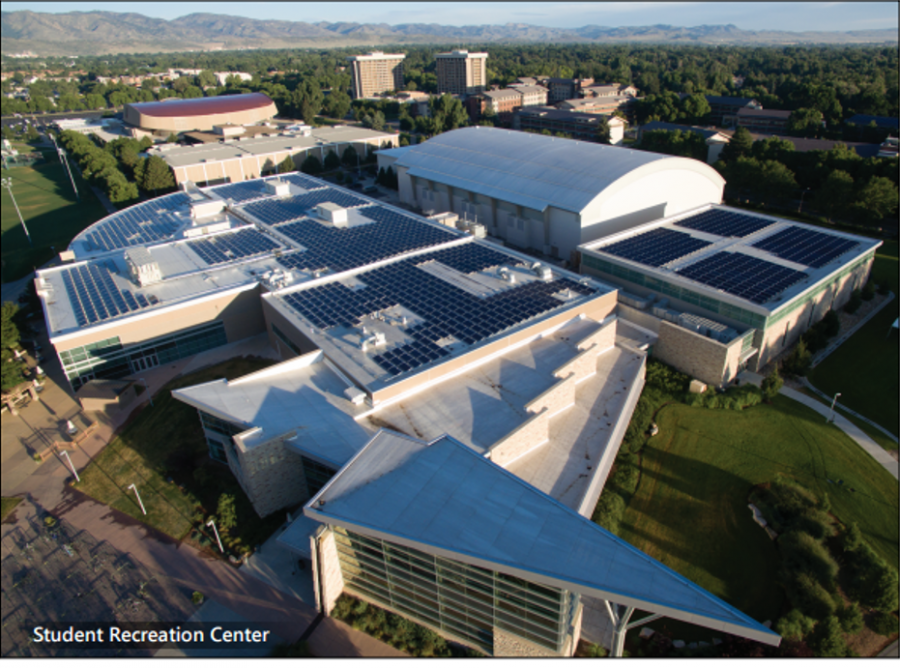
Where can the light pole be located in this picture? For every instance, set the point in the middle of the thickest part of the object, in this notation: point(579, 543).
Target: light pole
point(149, 394)
point(132, 487)
point(802, 193)
point(65, 161)
point(71, 466)
point(212, 523)
point(833, 402)
point(7, 183)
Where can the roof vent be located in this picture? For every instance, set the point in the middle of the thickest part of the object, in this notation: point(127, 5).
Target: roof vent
point(356, 397)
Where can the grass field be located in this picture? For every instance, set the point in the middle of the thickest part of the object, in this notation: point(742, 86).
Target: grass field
point(166, 441)
point(690, 510)
point(864, 368)
point(7, 505)
point(51, 212)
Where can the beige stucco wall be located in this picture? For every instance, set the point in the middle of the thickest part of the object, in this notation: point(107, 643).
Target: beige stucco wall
point(145, 121)
point(270, 474)
point(696, 355)
point(272, 316)
point(240, 312)
point(327, 574)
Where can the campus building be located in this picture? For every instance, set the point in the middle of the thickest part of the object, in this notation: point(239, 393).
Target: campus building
point(545, 193)
point(726, 289)
point(461, 73)
point(723, 109)
point(376, 73)
point(763, 121)
point(236, 158)
point(578, 125)
point(175, 115)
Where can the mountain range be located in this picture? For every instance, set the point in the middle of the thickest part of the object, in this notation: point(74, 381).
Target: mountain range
point(100, 32)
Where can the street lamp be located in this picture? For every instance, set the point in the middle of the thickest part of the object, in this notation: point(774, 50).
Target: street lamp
point(7, 183)
point(141, 503)
point(71, 466)
point(833, 402)
point(212, 523)
point(802, 193)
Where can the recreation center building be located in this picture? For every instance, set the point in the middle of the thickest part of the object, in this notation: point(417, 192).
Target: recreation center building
point(183, 115)
point(447, 409)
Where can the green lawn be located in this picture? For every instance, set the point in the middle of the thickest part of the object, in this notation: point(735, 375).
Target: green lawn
point(690, 509)
point(7, 505)
point(166, 441)
point(51, 212)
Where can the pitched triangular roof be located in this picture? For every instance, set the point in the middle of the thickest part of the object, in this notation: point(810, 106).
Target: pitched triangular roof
point(447, 497)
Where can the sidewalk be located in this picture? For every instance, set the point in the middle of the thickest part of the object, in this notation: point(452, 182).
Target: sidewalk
point(876, 451)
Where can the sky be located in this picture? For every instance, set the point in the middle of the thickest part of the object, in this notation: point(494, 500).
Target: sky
point(792, 16)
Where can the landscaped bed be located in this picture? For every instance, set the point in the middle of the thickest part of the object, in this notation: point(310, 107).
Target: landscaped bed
point(163, 453)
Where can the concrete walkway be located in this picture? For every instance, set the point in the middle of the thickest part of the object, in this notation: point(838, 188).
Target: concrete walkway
point(876, 451)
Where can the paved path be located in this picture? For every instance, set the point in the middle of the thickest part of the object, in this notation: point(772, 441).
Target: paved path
point(876, 451)
point(892, 650)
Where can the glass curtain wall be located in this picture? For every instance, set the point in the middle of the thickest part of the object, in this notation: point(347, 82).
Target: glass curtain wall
point(462, 600)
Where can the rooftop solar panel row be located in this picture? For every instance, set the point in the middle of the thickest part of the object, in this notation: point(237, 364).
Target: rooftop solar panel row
point(446, 309)
point(302, 181)
point(275, 211)
point(244, 191)
point(656, 247)
point(743, 276)
point(95, 297)
point(724, 223)
point(233, 246)
point(803, 246)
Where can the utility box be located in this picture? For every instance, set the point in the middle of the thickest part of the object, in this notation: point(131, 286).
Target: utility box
point(143, 268)
point(278, 188)
point(697, 387)
point(334, 214)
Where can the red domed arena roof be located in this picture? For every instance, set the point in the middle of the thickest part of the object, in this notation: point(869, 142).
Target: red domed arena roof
point(203, 106)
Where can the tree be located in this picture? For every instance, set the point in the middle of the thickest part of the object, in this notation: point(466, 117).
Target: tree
point(799, 361)
point(877, 199)
point(31, 134)
point(805, 122)
point(157, 175)
point(9, 342)
point(603, 130)
point(851, 538)
point(350, 157)
point(332, 162)
point(695, 108)
point(286, 165)
point(311, 165)
point(827, 639)
point(206, 78)
point(447, 113)
point(835, 197)
point(374, 121)
point(771, 384)
point(227, 513)
point(851, 618)
point(337, 105)
point(740, 145)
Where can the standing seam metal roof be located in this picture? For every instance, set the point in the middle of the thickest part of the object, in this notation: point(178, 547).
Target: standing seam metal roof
point(531, 170)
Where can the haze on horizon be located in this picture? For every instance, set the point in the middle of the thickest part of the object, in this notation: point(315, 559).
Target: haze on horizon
point(790, 16)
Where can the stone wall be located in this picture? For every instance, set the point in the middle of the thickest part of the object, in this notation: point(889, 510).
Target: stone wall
point(583, 366)
point(270, 474)
point(695, 354)
point(508, 644)
point(328, 576)
point(531, 434)
point(558, 397)
point(604, 338)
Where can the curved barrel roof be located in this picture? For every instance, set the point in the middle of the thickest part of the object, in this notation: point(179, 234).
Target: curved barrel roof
point(527, 169)
point(203, 106)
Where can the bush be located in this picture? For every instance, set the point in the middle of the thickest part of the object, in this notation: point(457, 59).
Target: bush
point(872, 581)
point(851, 618)
point(831, 324)
point(799, 361)
point(851, 539)
point(664, 377)
point(815, 338)
point(197, 598)
point(808, 596)
point(814, 522)
point(311, 165)
point(884, 624)
point(609, 510)
point(794, 625)
point(868, 291)
point(884, 288)
point(771, 384)
point(827, 639)
point(801, 553)
point(854, 303)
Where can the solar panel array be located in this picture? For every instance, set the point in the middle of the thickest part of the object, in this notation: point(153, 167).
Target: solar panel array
point(656, 247)
point(243, 191)
point(302, 181)
point(233, 246)
point(797, 244)
point(446, 309)
point(139, 225)
point(743, 276)
point(275, 211)
point(724, 223)
point(95, 297)
point(339, 249)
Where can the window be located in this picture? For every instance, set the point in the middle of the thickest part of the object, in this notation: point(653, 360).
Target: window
point(317, 475)
point(216, 450)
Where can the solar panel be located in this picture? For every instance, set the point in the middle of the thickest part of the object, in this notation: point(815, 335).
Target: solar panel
point(446, 309)
point(303, 181)
point(725, 223)
point(244, 191)
point(275, 211)
point(233, 246)
point(743, 276)
point(656, 247)
point(803, 246)
point(139, 225)
point(95, 297)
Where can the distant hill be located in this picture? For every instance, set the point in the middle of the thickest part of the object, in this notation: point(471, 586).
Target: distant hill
point(97, 33)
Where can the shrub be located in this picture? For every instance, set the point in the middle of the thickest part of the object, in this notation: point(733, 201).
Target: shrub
point(851, 618)
point(868, 291)
point(801, 553)
point(831, 324)
point(815, 338)
point(884, 288)
point(872, 581)
point(664, 377)
point(197, 598)
point(596, 651)
point(814, 522)
point(808, 596)
point(794, 625)
point(827, 639)
point(609, 510)
point(884, 623)
point(771, 384)
point(799, 361)
point(851, 539)
point(852, 306)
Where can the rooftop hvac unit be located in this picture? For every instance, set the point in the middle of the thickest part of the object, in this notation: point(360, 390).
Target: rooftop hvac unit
point(334, 214)
point(355, 395)
point(278, 188)
point(143, 268)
